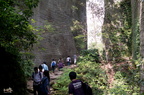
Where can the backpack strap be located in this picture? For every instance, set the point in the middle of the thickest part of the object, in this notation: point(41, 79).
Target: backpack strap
point(40, 75)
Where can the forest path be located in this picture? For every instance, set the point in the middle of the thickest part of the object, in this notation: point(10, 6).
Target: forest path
point(53, 78)
point(108, 66)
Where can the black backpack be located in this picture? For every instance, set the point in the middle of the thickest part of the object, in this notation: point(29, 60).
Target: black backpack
point(87, 89)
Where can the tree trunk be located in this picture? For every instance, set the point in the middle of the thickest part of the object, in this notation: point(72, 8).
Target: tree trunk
point(142, 45)
point(135, 22)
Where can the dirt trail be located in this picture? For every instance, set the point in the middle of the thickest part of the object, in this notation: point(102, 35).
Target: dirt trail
point(53, 77)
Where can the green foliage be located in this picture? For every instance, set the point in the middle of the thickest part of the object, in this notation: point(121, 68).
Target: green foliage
point(126, 29)
point(27, 63)
point(74, 8)
point(90, 55)
point(15, 28)
point(16, 35)
point(126, 78)
point(79, 35)
point(88, 71)
point(126, 83)
point(48, 27)
point(117, 30)
point(62, 83)
point(27, 67)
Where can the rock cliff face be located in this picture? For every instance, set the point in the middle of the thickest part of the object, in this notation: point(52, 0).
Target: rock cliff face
point(60, 13)
point(60, 43)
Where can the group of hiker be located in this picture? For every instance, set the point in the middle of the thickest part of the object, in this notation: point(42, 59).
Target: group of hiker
point(41, 84)
point(41, 80)
point(41, 77)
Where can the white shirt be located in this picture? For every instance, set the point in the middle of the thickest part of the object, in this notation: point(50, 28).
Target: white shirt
point(45, 67)
point(68, 59)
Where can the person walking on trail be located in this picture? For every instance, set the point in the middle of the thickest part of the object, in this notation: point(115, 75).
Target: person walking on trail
point(75, 87)
point(45, 67)
point(41, 70)
point(53, 65)
point(60, 59)
point(75, 59)
point(60, 65)
point(68, 60)
point(36, 76)
point(45, 84)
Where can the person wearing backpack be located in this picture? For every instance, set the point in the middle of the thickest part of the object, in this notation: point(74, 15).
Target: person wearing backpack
point(60, 65)
point(75, 87)
point(41, 70)
point(53, 65)
point(68, 60)
point(36, 76)
point(44, 88)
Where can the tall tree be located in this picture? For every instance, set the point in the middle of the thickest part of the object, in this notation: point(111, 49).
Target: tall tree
point(15, 35)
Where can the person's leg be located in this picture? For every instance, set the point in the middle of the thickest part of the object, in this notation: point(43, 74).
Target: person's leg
point(37, 89)
point(53, 68)
point(43, 93)
point(34, 89)
point(74, 61)
point(68, 63)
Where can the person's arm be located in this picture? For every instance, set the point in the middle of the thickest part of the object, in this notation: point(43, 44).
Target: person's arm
point(51, 64)
point(32, 77)
point(48, 89)
point(70, 91)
